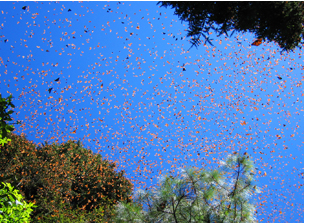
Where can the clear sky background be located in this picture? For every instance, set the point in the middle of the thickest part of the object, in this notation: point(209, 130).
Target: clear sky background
point(130, 89)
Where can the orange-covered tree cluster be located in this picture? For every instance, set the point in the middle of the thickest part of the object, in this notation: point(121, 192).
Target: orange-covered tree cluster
point(64, 180)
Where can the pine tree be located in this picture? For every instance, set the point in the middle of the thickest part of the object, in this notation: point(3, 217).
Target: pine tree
point(222, 195)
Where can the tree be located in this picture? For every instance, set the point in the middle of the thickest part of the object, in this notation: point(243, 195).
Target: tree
point(5, 128)
point(66, 181)
point(282, 22)
point(197, 196)
point(12, 206)
point(10, 200)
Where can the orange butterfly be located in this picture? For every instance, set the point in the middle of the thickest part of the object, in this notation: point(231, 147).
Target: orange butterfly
point(257, 42)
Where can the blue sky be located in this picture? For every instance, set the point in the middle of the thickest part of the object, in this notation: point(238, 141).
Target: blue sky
point(129, 88)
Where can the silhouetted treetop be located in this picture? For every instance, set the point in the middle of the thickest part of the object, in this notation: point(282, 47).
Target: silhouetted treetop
point(282, 22)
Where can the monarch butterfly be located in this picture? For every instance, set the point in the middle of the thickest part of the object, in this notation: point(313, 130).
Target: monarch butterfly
point(257, 42)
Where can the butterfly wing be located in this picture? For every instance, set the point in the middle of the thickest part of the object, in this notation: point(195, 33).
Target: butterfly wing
point(257, 42)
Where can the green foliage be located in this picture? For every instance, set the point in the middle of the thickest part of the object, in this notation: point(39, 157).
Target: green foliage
point(62, 174)
point(12, 206)
point(257, 17)
point(5, 128)
point(222, 195)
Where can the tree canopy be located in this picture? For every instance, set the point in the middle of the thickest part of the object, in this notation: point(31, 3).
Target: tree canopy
point(282, 22)
point(5, 117)
point(222, 195)
point(12, 206)
point(61, 177)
